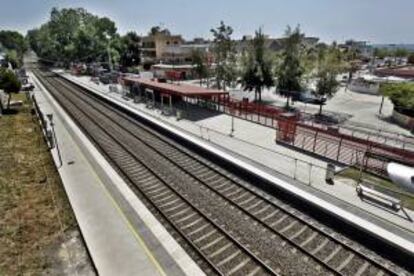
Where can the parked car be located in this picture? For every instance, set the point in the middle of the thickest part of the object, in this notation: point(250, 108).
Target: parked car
point(28, 86)
point(309, 97)
point(109, 77)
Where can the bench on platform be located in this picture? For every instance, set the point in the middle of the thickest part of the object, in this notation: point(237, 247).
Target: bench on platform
point(364, 191)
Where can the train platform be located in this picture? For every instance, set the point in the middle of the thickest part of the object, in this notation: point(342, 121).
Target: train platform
point(253, 147)
point(121, 234)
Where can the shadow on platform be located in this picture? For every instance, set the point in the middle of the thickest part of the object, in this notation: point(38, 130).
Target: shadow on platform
point(196, 113)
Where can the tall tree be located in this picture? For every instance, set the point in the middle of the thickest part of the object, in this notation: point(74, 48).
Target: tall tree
point(9, 83)
point(159, 30)
point(224, 56)
point(290, 71)
point(199, 62)
point(330, 64)
point(399, 54)
point(14, 58)
point(14, 45)
point(258, 68)
point(130, 50)
point(381, 53)
point(73, 35)
point(13, 40)
point(352, 54)
point(411, 59)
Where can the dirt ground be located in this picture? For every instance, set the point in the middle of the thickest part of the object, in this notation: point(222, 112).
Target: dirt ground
point(38, 231)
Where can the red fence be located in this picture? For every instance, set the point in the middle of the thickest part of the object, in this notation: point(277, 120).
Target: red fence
point(347, 149)
point(258, 113)
point(318, 139)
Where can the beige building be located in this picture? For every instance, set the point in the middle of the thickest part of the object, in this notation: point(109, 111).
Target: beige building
point(155, 47)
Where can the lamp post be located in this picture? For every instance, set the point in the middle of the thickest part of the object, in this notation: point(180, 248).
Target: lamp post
point(382, 99)
point(52, 125)
point(232, 123)
point(232, 126)
point(108, 49)
point(381, 105)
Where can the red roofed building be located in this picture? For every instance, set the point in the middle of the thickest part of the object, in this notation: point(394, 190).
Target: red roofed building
point(406, 72)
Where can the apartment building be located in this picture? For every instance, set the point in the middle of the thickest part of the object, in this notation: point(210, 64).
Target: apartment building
point(155, 46)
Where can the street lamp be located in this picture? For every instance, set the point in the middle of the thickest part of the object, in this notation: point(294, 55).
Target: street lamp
point(108, 49)
point(232, 123)
point(232, 126)
point(52, 125)
point(383, 97)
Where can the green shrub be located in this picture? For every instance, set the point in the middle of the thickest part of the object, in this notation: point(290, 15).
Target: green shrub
point(401, 95)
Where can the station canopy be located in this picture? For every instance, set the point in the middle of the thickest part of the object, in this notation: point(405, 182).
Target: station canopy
point(178, 89)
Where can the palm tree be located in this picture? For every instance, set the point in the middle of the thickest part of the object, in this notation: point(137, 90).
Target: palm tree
point(258, 69)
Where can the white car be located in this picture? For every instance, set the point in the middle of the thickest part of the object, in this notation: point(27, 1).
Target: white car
point(27, 86)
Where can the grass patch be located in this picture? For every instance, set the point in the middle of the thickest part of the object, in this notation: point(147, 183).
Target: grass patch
point(33, 204)
point(380, 184)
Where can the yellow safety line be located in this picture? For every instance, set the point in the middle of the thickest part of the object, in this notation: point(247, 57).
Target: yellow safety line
point(125, 218)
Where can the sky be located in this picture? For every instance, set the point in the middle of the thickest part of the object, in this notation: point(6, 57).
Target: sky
point(376, 21)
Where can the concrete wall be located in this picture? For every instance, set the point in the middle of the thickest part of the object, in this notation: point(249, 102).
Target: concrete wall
point(363, 87)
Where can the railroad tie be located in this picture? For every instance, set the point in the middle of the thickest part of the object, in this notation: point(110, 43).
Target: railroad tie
point(247, 200)
point(345, 262)
point(212, 243)
point(174, 207)
point(233, 193)
point(205, 235)
point(362, 269)
point(192, 223)
point(229, 258)
point(262, 210)
point(254, 271)
point(308, 240)
point(186, 217)
point(289, 226)
point(270, 215)
point(220, 250)
point(297, 234)
point(238, 266)
point(169, 203)
point(254, 205)
point(201, 228)
point(333, 253)
point(279, 220)
point(316, 250)
point(181, 212)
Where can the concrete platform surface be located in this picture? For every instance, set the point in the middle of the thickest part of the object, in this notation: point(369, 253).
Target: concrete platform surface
point(254, 145)
point(121, 234)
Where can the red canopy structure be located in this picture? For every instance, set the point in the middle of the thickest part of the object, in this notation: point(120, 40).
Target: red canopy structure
point(175, 89)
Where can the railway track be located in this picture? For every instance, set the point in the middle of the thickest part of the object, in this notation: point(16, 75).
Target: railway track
point(231, 225)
